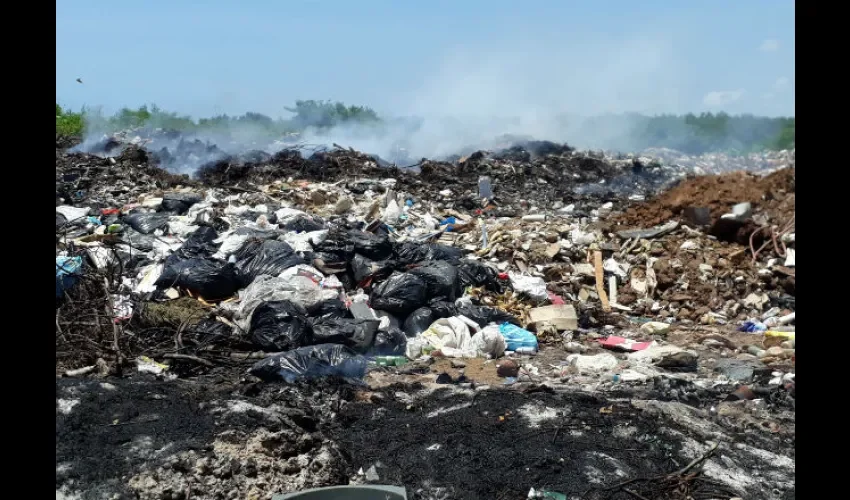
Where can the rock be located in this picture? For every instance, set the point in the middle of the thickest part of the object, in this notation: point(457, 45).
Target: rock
point(653, 354)
point(458, 364)
point(372, 474)
point(507, 368)
point(553, 250)
point(655, 328)
point(343, 205)
point(678, 361)
point(737, 369)
point(584, 269)
point(576, 347)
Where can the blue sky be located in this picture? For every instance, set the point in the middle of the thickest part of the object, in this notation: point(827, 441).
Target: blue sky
point(472, 57)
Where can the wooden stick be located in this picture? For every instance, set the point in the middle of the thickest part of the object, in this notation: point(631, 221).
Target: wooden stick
point(110, 315)
point(697, 460)
point(186, 357)
point(600, 285)
point(79, 372)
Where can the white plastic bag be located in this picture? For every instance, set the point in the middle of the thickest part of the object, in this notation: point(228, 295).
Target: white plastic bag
point(451, 337)
point(391, 213)
point(489, 342)
point(534, 286)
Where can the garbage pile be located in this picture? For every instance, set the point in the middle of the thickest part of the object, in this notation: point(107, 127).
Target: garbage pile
point(533, 264)
point(718, 163)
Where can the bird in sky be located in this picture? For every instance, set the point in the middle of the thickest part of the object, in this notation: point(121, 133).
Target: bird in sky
point(79, 80)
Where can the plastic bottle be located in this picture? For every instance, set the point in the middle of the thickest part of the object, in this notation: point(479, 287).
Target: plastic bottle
point(526, 350)
point(390, 360)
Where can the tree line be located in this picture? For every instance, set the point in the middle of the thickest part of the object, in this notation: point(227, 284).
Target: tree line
point(690, 133)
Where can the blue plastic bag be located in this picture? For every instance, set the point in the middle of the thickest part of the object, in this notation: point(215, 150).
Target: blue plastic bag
point(516, 337)
point(752, 327)
point(66, 273)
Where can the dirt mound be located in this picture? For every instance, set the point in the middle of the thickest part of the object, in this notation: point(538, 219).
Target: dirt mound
point(718, 193)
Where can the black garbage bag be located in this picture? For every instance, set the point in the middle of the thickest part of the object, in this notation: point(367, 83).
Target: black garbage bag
point(484, 315)
point(179, 203)
point(269, 257)
point(390, 343)
point(211, 330)
point(359, 334)
point(336, 244)
point(475, 274)
point(304, 224)
point(137, 240)
point(411, 252)
point(211, 279)
point(373, 246)
point(419, 321)
point(442, 308)
point(441, 278)
point(198, 245)
point(147, 223)
point(333, 308)
point(280, 325)
point(363, 267)
point(400, 294)
point(323, 360)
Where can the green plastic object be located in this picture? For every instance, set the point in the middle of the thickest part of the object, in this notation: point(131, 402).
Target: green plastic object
point(390, 360)
point(364, 492)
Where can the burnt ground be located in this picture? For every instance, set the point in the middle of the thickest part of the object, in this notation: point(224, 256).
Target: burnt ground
point(184, 439)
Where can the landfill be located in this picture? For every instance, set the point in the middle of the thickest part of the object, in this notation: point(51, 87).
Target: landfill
point(530, 322)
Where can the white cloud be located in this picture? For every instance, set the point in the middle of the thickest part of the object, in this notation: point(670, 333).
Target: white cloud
point(719, 98)
point(778, 87)
point(769, 45)
point(781, 83)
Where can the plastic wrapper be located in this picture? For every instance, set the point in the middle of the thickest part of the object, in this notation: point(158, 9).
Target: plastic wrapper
point(208, 278)
point(400, 294)
point(280, 326)
point(440, 278)
point(67, 273)
point(316, 361)
point(72, 214)
point(355, 333)
point(269, 257)
point(147, 223)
